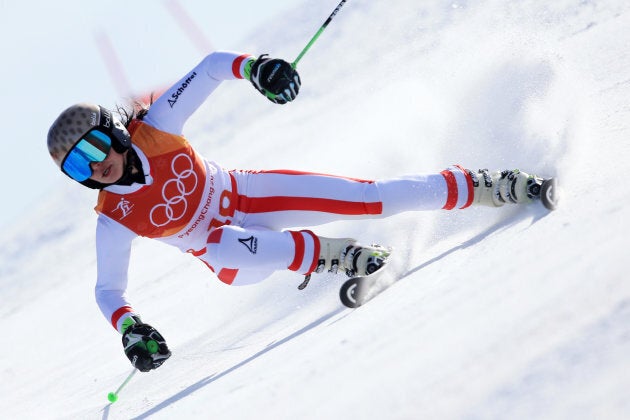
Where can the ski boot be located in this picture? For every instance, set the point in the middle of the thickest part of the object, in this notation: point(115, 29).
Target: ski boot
point(512, 186)
point(350, 257)
point(347, 256)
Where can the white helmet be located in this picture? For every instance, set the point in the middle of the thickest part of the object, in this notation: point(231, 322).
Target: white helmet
point(76, 121)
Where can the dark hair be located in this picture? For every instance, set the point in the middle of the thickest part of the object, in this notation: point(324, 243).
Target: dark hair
point(138, 111)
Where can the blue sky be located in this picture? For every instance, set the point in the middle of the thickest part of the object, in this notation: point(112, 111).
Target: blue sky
point(52, 59)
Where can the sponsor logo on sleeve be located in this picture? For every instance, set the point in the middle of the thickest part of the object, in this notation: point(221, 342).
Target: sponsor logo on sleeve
point(175, 95)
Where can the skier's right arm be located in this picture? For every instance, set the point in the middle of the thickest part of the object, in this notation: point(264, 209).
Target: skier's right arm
point(113, 248)
point(143, 345)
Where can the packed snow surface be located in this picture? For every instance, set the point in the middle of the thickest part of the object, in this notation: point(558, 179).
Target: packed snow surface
point(510, 313)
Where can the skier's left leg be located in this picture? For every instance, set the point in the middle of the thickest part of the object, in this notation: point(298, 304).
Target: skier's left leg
point(284, 199)
point(497, 188)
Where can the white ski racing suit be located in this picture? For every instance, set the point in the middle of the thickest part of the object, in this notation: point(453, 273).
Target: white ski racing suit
point(235, 221)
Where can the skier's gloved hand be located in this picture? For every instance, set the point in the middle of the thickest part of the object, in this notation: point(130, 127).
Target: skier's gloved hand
point(275, 78)
point(144, 346)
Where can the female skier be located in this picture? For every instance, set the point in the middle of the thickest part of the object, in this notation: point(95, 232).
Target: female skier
point(154, 184)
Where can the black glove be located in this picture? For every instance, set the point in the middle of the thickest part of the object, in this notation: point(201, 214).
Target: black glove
point(275, 78)
point(145, 347)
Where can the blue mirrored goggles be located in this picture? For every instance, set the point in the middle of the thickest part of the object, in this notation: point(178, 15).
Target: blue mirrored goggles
point(92, 147)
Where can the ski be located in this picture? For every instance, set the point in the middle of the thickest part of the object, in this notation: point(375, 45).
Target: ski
point(356, 291)
point(548, 194)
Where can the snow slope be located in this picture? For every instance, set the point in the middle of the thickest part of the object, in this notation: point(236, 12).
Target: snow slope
point(499, 313)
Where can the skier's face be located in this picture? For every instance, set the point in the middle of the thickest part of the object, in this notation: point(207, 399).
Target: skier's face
point(111, 169)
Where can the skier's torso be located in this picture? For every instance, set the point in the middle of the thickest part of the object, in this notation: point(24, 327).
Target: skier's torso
point(180, 202)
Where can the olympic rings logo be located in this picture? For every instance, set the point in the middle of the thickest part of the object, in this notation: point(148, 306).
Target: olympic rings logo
point(175, 191)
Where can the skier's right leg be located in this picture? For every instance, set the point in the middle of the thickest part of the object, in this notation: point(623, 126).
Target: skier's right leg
point(289, 199)
point(242, 256)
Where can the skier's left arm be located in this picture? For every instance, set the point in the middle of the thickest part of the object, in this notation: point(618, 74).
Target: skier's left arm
point(274, 78)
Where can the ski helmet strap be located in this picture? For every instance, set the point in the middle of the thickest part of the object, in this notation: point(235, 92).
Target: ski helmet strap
point(95, 185)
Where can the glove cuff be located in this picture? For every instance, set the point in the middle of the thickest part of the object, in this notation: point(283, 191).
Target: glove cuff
point(247, 70)
point(129, 321)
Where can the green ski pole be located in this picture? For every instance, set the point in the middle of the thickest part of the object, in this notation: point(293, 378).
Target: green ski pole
point(319, 32)
point(113, 396)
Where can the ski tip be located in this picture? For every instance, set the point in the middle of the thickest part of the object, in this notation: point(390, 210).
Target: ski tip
point(549, 194)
